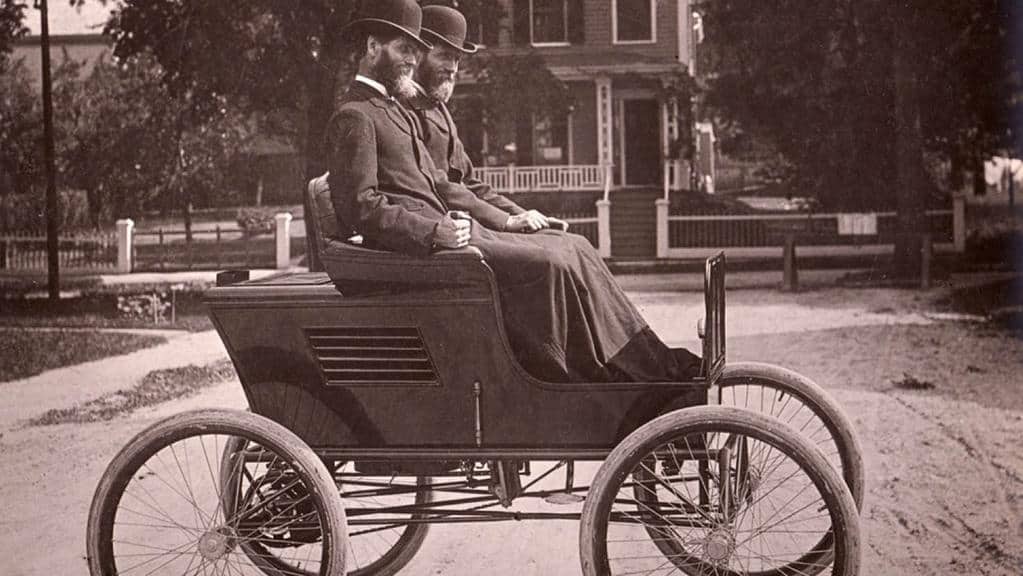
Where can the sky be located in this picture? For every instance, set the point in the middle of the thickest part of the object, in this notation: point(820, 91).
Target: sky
point(64, 19)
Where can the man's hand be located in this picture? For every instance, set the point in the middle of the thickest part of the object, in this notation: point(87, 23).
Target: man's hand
point(557, 224)
point(530, 221)
point(453, 231)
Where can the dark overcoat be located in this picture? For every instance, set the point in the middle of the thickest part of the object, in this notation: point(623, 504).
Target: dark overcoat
point(441, 137)
point(564, 314)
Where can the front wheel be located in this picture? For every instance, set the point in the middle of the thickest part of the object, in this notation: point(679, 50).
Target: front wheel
point(718, 490)
point(802, 405)
point(161, 506)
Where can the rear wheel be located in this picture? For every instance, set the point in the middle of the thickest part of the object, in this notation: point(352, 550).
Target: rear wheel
point(161, 506)
point(384, 519)
point(718, 490)
point(380, 541)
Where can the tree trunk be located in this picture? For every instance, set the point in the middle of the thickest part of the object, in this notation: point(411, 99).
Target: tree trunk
point(910, 190)
point(320, 107)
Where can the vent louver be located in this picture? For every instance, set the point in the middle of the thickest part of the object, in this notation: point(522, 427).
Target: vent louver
point(372, 356)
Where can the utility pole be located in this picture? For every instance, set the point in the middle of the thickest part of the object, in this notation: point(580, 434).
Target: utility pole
point(52, 255)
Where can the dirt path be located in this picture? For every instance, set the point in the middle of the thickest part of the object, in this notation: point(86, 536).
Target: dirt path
point(944, 466)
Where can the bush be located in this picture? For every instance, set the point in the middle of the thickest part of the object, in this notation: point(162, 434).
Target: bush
point(254, 221)
point(144, 306)
point(27, 212)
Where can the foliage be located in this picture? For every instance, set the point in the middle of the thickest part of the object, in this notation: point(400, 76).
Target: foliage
point(276, 59)
point(12, 18)
point(27, 352)
point(837, 86)
point(516, 86)
point(152, 306)
point(21, 131)
point(131, 144)
point(26, 213)
point(254, 221)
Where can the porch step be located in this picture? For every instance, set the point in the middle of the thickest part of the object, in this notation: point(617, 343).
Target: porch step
point(634, 223)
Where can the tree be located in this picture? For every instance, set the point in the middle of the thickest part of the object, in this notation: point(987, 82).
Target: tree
point(12, 18)
point(130, 144)
point(20, 132)
point(277, 59)
point(858, 94)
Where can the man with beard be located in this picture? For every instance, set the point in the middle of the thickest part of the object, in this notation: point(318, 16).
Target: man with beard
point(565, 316)
point(445, 28)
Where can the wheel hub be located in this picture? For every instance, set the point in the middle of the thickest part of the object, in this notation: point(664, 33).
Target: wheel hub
point(215, 543)
point(719, 545)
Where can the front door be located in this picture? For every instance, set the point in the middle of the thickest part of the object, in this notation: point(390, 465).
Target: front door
point(641, 142)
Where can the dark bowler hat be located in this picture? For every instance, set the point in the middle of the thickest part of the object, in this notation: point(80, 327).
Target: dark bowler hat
point(446, 25)
point(403, 15)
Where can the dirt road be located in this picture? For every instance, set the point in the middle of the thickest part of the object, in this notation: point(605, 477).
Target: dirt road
point(944, 465)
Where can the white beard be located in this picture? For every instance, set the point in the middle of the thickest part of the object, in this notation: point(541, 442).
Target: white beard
point(443, 91)
point(404, 87)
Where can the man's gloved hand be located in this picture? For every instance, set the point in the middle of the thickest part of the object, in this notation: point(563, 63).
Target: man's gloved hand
point(453, 231)
point(530, 221)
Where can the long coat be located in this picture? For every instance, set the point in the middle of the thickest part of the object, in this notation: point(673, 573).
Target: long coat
point(565, 316)
point(441, 137)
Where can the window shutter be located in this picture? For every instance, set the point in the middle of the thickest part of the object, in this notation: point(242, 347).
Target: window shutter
point(576, 22)
point(520, 22)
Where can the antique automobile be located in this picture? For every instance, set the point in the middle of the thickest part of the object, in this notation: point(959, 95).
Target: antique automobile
point(384, 399)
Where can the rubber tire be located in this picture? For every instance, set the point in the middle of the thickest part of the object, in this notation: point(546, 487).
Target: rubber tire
point(622, 460)
point(818, 401)
point(123, 467)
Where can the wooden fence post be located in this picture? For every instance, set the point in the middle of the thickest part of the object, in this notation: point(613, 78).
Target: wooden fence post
point(125, 235)
point(790, 277)
point(959, 223)
point(926, 253)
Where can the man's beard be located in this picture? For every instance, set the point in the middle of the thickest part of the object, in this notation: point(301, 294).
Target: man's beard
point(438, 84)
point(442, 91)
point(389, 73)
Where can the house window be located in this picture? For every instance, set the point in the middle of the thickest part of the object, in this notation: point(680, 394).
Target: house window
point(482, 23)
point(549, 21)
point(634, 21)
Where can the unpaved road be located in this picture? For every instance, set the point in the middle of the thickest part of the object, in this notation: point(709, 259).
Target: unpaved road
point(944, 466)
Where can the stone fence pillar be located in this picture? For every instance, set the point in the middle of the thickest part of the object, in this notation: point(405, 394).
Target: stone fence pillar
point(125, 235)
point(604, 228)
point(662, 227)
point(283, 235)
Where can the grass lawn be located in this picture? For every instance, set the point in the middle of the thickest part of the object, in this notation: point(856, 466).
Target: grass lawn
point(94, 309)
point(24, 353)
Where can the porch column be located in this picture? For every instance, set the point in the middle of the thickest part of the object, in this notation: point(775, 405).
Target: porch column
point(605, 124)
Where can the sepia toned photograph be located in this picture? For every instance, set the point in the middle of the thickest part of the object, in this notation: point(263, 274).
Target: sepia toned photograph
point(511, 287)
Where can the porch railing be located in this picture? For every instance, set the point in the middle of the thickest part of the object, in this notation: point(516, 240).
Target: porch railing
point(511, 179)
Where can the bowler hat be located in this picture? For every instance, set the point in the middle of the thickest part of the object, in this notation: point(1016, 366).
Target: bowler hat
point(446, 25)
point(403, 15)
